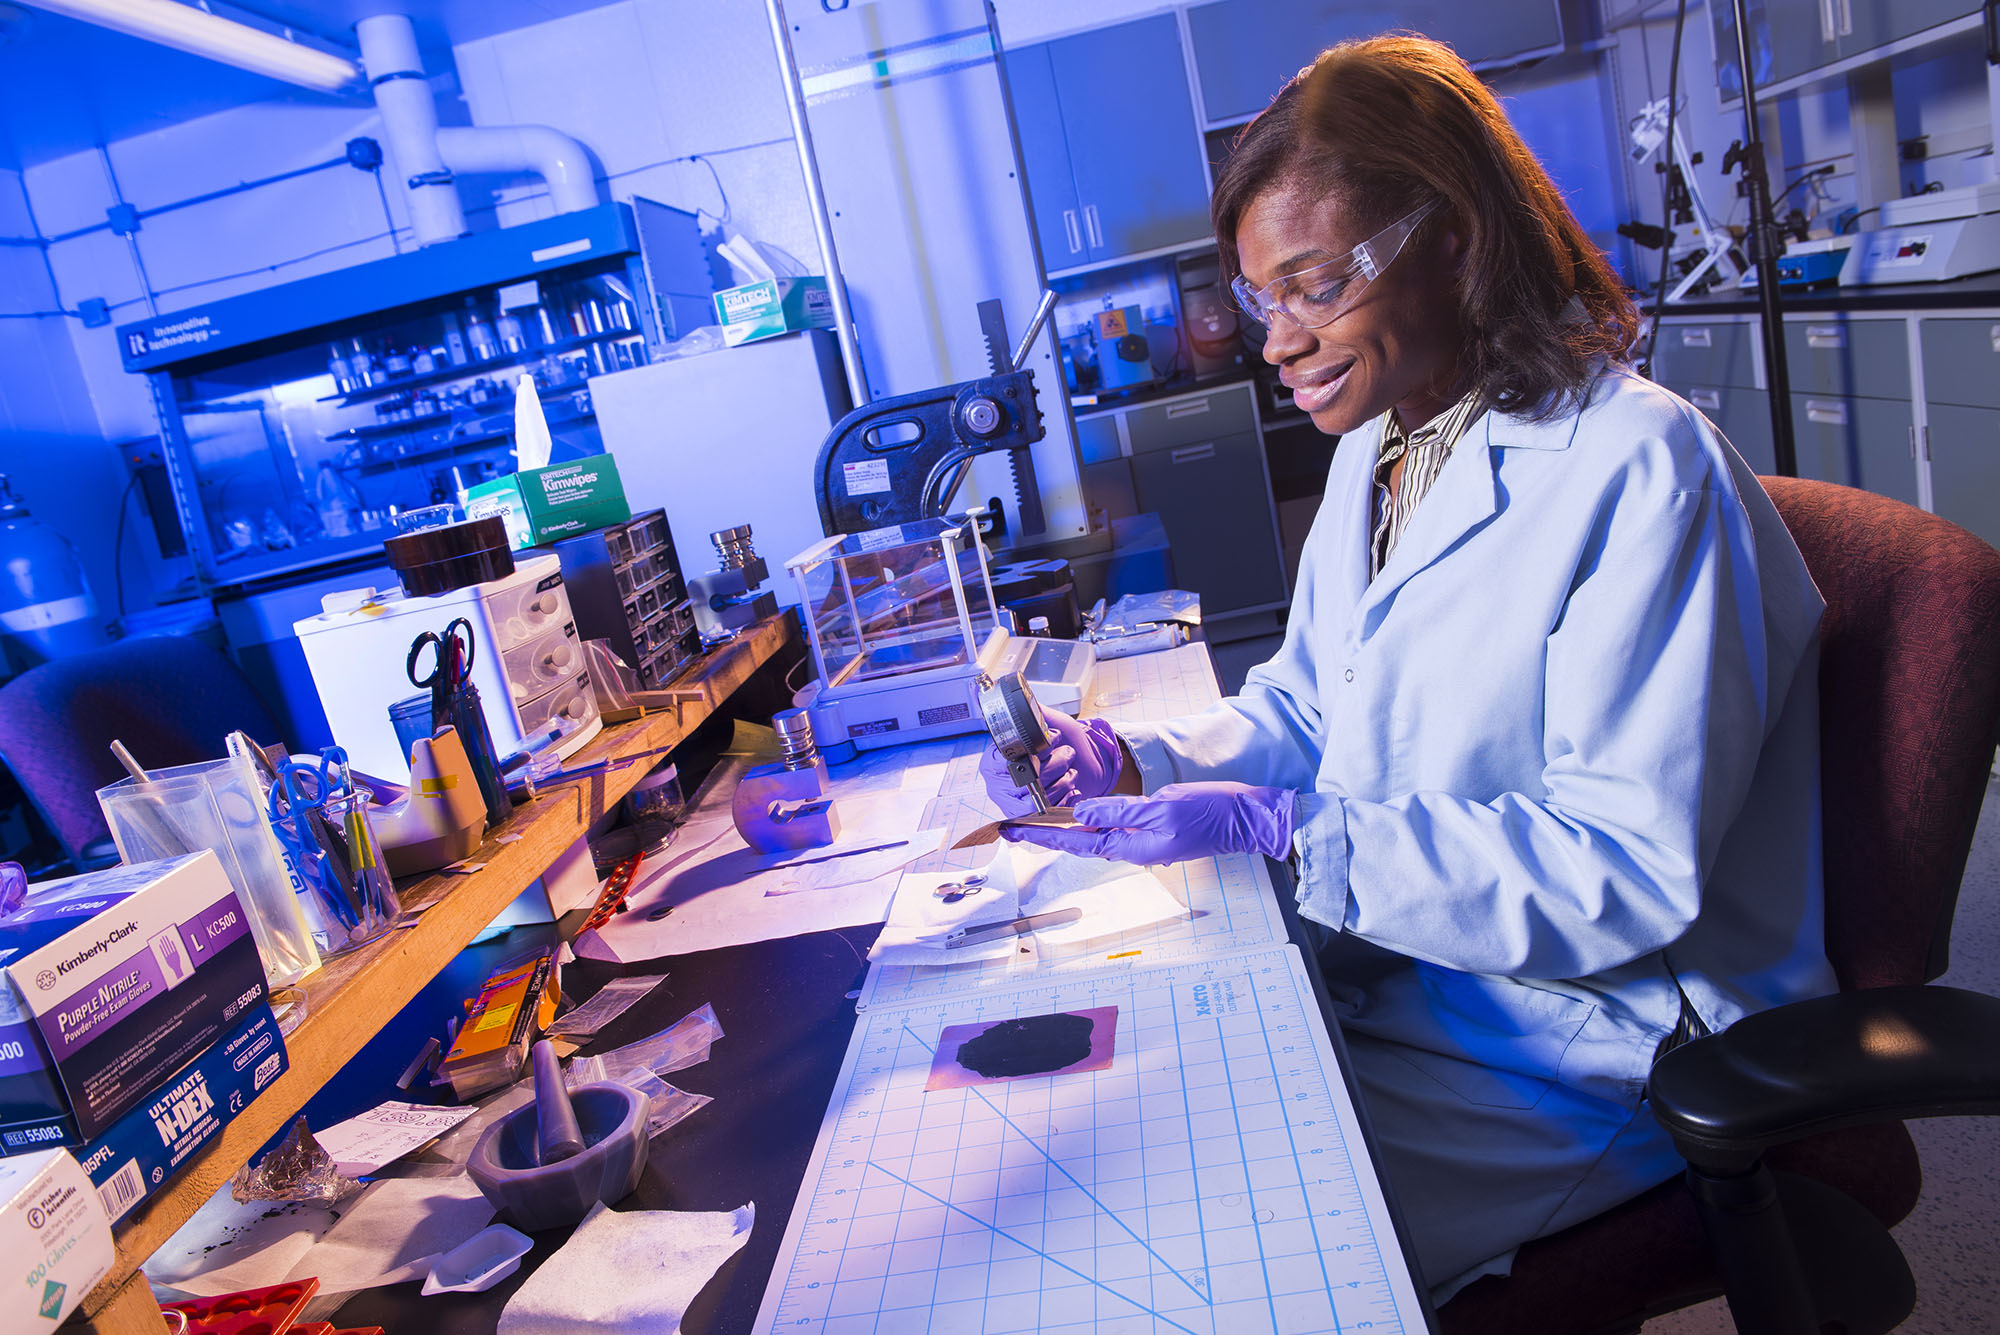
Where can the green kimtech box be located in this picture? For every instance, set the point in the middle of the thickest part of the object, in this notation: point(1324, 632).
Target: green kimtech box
point(540, 505)
point(773, 306)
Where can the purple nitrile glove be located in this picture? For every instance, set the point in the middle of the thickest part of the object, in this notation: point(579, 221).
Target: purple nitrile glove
point(1083, 760)
point(1178, 822)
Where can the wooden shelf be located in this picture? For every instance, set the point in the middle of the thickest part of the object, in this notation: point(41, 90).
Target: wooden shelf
point(354, 995)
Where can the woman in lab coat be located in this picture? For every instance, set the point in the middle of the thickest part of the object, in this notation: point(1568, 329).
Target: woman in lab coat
point(1541, 739)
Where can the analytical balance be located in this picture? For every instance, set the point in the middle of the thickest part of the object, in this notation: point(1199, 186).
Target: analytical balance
point(902, 627)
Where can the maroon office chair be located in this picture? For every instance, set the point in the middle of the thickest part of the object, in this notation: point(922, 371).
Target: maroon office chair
point(1909, 712)
point(170, 700)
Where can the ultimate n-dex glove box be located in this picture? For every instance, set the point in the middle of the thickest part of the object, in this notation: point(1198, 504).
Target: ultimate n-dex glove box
point(112, 982)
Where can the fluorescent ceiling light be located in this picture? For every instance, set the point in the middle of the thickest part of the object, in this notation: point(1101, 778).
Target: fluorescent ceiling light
point(201, 33)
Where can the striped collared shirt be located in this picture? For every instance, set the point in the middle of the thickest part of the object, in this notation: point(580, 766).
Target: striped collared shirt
point(1427, 447)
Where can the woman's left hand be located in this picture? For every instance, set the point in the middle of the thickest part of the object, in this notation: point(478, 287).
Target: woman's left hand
point(1178, 822)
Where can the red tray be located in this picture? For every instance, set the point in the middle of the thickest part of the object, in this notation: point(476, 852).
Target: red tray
point(267, 1311)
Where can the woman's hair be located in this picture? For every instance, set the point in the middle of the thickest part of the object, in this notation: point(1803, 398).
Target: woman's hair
point(1388, 124)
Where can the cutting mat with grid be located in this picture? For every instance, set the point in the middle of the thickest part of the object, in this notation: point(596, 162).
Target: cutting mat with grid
point(1212, 1180)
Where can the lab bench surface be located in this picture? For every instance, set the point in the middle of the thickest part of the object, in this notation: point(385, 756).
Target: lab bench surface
point(786, 1021)
point(787, 1008)
point(355, 994)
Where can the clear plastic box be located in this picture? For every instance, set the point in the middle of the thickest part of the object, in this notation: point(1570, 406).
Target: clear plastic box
point(218, 804)
point(911, 598)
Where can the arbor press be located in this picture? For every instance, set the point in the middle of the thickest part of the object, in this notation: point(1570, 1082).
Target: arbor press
point(903, 459)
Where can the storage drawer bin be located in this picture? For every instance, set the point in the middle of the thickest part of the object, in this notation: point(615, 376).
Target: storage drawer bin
point(1198, 417)
point(1706, 352)
point(1830, 355)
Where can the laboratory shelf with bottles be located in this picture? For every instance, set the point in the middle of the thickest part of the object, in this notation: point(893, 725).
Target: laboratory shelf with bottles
point(300, 420)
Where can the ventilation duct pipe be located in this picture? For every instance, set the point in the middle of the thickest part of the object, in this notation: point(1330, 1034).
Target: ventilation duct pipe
point(429, 157)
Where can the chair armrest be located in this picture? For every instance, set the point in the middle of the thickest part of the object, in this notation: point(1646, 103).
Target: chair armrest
point(1848, 1059)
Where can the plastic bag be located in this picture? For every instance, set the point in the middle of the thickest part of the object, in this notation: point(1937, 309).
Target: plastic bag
point(670, 1104)
point(1136, 613)
point(607, 1004)
point(680, 1045)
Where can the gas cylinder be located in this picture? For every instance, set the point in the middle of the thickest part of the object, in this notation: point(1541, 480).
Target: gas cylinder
point(46, 607)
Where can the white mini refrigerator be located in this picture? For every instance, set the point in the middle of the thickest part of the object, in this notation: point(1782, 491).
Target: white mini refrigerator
point(527, 663)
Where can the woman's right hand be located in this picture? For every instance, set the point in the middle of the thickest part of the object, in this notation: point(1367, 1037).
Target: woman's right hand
point(1083, 759)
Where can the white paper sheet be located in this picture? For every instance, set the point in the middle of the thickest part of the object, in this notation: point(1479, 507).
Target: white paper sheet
point(361, 1145)
point(723, 893)
point(392, 1231)
point(384, 1236)
point(634, 1272)
point(1112, 897)
point(225, 1246)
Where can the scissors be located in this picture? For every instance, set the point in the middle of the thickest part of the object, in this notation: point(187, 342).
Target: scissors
point(299, 795)
point(451, 666)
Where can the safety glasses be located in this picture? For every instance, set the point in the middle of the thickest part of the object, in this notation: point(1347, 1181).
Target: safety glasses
point(1314, 298)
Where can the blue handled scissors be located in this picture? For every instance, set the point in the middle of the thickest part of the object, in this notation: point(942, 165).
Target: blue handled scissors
point(451, 666)
point(299, 795)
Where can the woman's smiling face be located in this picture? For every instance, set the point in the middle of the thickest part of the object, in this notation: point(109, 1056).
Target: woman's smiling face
point(1396, 345)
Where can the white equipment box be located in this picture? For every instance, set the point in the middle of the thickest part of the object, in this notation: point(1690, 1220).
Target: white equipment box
point(1929, 238)
point(527, 664)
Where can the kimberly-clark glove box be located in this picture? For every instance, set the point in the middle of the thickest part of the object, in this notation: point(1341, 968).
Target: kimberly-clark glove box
point(148, 1145)
point(114, 980)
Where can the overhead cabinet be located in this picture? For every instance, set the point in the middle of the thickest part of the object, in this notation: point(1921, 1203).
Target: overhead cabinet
point(1789, 38)
point(1245, 50)
point(1108, 135)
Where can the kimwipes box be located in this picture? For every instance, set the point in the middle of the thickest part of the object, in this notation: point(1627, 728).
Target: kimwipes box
point(113, 981)
point(148, 1145)
point(540, 505)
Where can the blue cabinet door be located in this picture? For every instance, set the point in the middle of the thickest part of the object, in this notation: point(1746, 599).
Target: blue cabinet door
point(1133, 147)
point(1038, 116)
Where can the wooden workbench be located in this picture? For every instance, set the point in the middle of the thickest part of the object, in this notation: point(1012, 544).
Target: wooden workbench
point(355, 994)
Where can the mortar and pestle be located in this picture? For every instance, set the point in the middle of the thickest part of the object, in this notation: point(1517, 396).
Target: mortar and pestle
point(547, 1162)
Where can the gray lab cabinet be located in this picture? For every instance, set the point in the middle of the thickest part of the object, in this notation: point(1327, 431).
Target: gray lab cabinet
point(1197, 461)
point(1245, 50)
point(1857, 442)
point(1851, 420)
point(1962, 396)
point(1832, 354)
point(1961, 361)
point(1743, 416)
point(1965, 467)
point(1108, 137)
point(1713, 365)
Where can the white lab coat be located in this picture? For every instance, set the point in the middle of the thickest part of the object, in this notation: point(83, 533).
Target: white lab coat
point(1561, 751)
